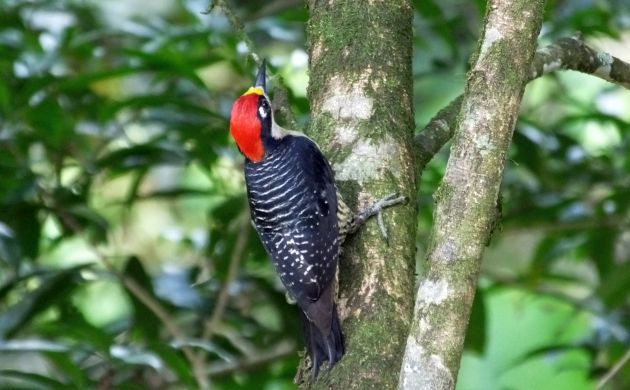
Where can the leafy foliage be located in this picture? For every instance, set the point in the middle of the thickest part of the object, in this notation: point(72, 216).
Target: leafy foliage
point(125, 257)
point(101, 118)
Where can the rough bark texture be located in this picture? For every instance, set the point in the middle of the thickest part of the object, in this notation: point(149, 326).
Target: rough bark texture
point(362, 117)
point(466, 200)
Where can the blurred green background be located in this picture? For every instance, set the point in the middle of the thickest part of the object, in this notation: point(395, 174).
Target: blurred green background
point(127, 260)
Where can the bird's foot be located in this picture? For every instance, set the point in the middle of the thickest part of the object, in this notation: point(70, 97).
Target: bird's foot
point(377, 209)
point(290, 298)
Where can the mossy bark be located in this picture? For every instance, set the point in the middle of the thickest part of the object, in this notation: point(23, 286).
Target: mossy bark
point(360, 92)
point(466, 201)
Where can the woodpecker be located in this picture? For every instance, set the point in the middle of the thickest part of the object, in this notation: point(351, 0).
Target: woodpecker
point(299, 216)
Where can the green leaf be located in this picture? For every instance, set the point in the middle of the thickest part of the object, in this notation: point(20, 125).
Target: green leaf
point(23, 220)
point(601, 248)
point(65, 364)
point(207, 346)
point(6, 288)
point(81, 330)
point(136, 355)
point(141, 157)
point(551, 248)
point(36, 380)
point(51, 122)
point(176, 362)
point(183, 107)
point(5, 98)
point(176, 193)
point(75, 216)
point(84, 217)
point(554, 349)
point(84, 80)
point(476, 332)
point(144, 319)
point(51, 290)
point(9, 250)
point(615, 287)
point(36, 345)
point(130, 386)
point(170, 63)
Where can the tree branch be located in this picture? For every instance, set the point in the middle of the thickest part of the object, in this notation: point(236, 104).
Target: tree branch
point(565, 54)
point(223, 297)
point(235, 264)
point(282, 349)
point(160, 312)
point(575, 54)
point(466, 199)
point(149, 301)
point(362, 117)
point(614, 370)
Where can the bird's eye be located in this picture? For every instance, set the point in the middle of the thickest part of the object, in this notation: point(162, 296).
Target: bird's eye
point(263, 109)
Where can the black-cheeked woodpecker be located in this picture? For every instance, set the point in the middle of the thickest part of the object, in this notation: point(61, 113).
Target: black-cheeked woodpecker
point(298, 214)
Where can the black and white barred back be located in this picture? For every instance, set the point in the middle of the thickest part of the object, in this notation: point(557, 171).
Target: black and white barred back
point(294, 208)
point(293, 202)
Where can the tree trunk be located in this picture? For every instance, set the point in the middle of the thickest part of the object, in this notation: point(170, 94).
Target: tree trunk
point(466, 206)
point(360, 92)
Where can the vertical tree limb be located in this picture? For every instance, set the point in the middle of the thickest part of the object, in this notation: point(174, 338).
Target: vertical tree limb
point(466, 199)
point(360, 92)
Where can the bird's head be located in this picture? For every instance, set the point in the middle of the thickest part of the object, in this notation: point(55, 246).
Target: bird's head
point(251, 121)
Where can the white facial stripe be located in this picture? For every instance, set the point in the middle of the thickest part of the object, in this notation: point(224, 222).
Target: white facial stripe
point(277, 132)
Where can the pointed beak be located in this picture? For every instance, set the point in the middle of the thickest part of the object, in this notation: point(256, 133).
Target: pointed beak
point(262, 76)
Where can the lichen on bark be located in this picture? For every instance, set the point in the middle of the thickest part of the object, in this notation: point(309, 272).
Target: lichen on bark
point(360, 92)
point(466, 199)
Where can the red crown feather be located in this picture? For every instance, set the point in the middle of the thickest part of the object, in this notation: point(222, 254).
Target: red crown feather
point(245, 126)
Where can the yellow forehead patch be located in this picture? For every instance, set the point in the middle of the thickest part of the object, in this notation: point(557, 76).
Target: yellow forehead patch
point(256, 90)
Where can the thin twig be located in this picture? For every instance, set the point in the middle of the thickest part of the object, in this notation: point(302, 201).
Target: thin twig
point(613, 370)
point(223, 297)
point(235, 264)
point(282, 349)
point(236, 339)
point(238, 26)
point(171, 326)
point(281, 93)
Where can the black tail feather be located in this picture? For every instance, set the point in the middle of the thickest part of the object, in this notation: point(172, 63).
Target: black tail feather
point(321, 348)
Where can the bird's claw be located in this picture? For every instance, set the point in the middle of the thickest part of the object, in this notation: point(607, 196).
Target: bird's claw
point(289, 298)
point(377, 209)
